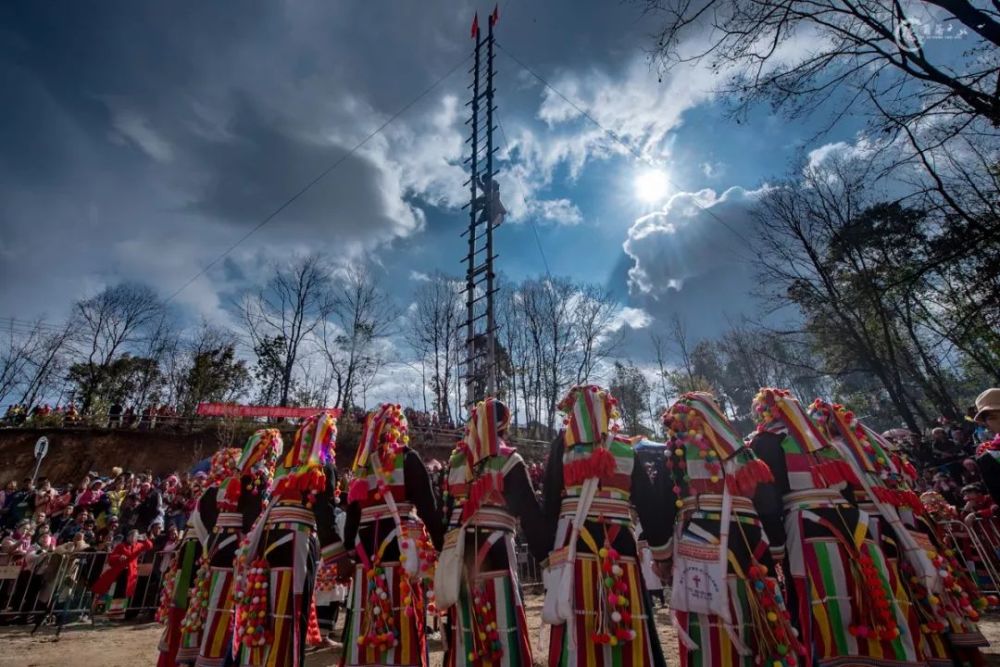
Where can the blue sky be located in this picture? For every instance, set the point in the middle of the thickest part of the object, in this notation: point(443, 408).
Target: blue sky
point(141, 139)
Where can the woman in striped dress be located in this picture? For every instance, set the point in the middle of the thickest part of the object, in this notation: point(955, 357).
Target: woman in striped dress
point(487, 490)
point(277, 565)
point(839, 586)
point(389, 498)
point(240, 500)
point(728, 608)
point(178, 643)
point(595, 599)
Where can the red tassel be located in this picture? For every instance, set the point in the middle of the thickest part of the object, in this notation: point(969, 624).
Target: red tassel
point(313, 635)
point(601, 464)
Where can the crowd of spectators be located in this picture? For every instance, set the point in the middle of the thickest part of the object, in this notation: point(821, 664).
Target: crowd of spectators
point(117, 416)
point(36, 519)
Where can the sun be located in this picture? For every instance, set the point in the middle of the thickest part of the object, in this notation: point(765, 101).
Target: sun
point(651, 185)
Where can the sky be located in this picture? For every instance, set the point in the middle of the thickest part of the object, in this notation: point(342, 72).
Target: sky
point(141, 140)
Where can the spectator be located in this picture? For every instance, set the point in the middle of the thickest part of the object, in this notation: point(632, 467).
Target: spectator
point(150, 507)
point(74, 527)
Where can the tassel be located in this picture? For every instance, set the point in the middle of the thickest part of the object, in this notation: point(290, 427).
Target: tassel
point(313, 635)
point(600, 464)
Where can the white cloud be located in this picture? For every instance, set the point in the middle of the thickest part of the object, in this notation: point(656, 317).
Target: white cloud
point(634, 318)
point(419, 276)
point(559, 211)
point(694, 235)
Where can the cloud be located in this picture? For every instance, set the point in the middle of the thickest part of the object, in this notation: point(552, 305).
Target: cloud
point(419, 276)
point(633, 318)
point(559, 211)
point(132, 127)
point(695, 236)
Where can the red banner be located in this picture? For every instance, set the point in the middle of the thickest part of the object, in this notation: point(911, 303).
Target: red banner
point(233, 410)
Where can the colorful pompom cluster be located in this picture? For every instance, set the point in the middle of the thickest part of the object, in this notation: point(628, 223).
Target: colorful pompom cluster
point(779, 641)
point(614, 625)
point(251, 597)
point(378, 628)
point(882, 623)
point(167, 592)
point(486, 638)
point(197, 611)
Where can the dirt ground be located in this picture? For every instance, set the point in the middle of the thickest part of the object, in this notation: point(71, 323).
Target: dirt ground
point(131, 645)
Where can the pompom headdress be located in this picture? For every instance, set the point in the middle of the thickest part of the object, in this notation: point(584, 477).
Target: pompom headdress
point(224, 463)
point(257, 461)
point(302, 468)
point(385, 433)
point(488, 419)
point(591, 416)
point(695, 420)
point(778, 407)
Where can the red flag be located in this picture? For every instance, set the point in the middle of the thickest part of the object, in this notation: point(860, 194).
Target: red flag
point(475, 26)
point(495, 16)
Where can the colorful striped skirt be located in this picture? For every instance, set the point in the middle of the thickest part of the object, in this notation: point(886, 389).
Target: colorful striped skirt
point(181, 576)
point(292, 552)
point(217, 635)
point(571, 644)
point(410, 633)
point(502, 629)
point(825, 545)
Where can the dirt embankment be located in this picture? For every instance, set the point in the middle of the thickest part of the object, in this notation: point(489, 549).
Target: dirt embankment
point(75, 451)
point(72, 452)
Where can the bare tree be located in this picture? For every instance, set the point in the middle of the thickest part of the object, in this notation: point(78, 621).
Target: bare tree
point(32, 359)
point(296, 301)
point(108, 324)
point(856, 48)
point(362, 315)
point(434, 332)
point(593, 319)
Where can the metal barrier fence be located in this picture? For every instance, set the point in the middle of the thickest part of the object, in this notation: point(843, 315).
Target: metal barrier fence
point(977, 546)
point(57, 588)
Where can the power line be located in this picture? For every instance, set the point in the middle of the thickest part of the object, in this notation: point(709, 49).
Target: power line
point(288, 202)
point(531, 221)
point(617, 139)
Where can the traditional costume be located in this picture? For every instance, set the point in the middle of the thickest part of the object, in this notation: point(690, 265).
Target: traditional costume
point(487, 490)
point(595, 599)
point(240, 500)
point(839, 584)
point(180, 642)
point(121, 572)
point(949, 611)
point(277, 566)
point(727, 605)
point(386, 606)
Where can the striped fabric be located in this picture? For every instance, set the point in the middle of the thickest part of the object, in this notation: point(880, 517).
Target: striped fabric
point(620, 483)
point(570, 644)
point(826, 585)
point(589, 412)
point(715, 646)
point(217, 635)
point(289, 602)
point(185, 565)
point(502, 592)
point(500, 588)
point(411, 648)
